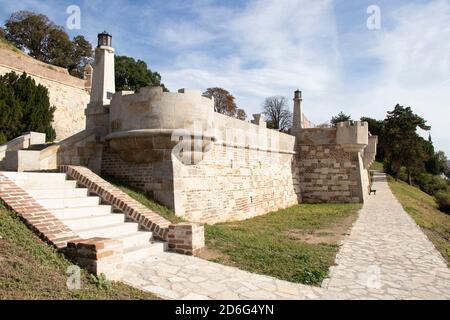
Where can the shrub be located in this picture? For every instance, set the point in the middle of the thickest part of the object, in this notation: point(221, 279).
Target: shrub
point(443, 200)
point(430, 184)
point(24, 106)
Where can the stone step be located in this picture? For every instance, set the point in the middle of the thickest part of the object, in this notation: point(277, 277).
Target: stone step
point(142, 252)
point(111, 231)
point(37, 185)
point(82, 223)
point(85, 215)
point(80, 212)
point(136, 239)
point(58, 193)
point(61, 203)
point(36, 180)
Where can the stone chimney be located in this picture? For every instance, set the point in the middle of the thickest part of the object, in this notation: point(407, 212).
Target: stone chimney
point(103, 80)
point(297, 122)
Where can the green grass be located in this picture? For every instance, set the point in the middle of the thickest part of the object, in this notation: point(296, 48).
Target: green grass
point(31, 269)
point(145, 200)
point(268, 245)
point(376, 165)
point(424, 210)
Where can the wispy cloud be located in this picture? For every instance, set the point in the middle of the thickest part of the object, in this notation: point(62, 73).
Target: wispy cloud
point(259, 48)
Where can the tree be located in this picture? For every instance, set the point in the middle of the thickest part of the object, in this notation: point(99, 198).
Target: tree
point(437, 163)
point(224, 103)
point(10, 110)
point(47, 42)
point(58, 48)
point(29, 32)
point(133, 75)
point(24, 106)
point(341, 117)
point(240, 114)
point(81, 55)
point(402, 145)
point(277, 114)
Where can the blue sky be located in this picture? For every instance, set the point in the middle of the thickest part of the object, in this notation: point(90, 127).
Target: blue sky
point(260, 48)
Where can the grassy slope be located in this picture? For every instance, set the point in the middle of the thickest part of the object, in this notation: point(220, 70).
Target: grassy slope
point(377, 166)
point(268, 245)
point(423, 209)
point(30, 269)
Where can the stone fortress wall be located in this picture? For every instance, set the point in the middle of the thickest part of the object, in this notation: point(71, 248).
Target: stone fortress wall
point(68, 94)
point(224, 168)
point(237, 169)
point(206, 166)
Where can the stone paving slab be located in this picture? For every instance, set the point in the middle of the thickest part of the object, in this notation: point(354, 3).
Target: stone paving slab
point(386, 256)
point(175, 276)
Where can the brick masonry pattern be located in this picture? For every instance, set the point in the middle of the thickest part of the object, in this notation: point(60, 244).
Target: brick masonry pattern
point(98, 256)
point(328, 174)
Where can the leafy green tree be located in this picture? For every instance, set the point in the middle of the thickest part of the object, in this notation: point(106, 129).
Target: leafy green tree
point(402, 145)
point(10, 111)
point(437, 163)
point(29, 32)
point(47, 42)
point(133, 75)
point(24, 106)
point(58, 48)
point(81, 55)
point(341, 117)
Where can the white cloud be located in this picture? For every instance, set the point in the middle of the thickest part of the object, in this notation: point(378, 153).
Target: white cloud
point(415, 69)
point(270, 48)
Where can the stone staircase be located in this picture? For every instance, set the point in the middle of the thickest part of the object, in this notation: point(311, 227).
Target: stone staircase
point(85, 215)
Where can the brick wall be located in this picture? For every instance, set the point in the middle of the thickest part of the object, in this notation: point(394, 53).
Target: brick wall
point(136, 175)
point(328, 174)
point(154, 179)
point(219, 188)
point(236, 186)
point(186, 238)
point(98, 256)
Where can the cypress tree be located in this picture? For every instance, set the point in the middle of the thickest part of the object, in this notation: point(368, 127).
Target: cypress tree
point(24, 106)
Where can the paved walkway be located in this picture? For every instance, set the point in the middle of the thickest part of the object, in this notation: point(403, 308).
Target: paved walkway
point(386, 256)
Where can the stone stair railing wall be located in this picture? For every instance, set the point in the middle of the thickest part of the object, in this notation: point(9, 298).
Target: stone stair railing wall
point(100, 237)
point(9, 150)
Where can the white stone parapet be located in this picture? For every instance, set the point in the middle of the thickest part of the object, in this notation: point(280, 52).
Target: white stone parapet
point(353, 137)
